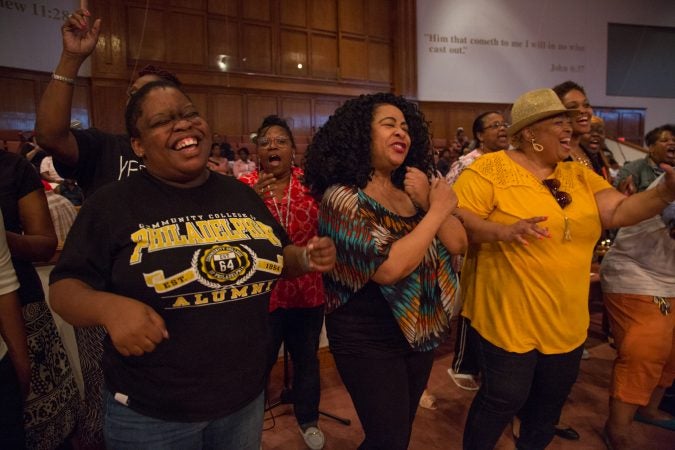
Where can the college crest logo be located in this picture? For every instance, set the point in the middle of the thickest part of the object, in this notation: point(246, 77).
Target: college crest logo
point(224, 264)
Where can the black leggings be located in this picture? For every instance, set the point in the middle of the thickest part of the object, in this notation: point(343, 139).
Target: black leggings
point(385, 393)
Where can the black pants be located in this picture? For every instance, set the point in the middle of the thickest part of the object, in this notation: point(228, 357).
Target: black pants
point(299, 330)
point(11, 408)
point(465, 360)
point(385, 393)
point(532, 384)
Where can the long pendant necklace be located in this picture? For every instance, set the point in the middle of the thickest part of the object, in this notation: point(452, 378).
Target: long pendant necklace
point(284, 223)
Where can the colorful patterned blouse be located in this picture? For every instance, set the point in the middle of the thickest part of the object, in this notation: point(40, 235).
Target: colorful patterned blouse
point(300, 224)
point(363, 232)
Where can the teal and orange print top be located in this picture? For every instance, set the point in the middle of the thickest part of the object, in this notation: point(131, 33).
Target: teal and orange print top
point(363, 232)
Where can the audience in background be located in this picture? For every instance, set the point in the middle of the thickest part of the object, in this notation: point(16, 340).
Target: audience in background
point(218, 162)
point(390, 296)
point(593, 145)
point(243, 165)
point(636, 176)
point(296, 305)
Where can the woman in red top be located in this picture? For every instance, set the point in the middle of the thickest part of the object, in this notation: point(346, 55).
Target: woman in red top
point(296, 305)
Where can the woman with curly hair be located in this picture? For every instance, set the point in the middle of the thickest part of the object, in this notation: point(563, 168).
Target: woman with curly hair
point(390, 295)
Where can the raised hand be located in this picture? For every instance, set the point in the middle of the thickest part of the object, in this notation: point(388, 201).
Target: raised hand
point(79, 39)
point(265, 185)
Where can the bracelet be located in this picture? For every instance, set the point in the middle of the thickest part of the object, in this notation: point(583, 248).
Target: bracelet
point(63, 79)
point(305, 260)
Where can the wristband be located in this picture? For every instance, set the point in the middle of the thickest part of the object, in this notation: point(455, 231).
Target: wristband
point(63, 79)
point(305, 259)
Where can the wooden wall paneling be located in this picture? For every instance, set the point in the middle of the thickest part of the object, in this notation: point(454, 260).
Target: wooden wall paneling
point(109, 102)
point(352, 16)
point(404, 38)
point(379, 13)
point(293, 52)
point(632, 126)
point(81, 105)
point(324, 56)
point(198, 5)
point(110, 57)
point(437, 117)
point(227, 114)
point(17, 103)
point(293, 12)
point(224, 7)
point(324, 15)
point(611, 119)
point(256, 48)
point(223, 44)
point(257, 9)
point(323, 109)
point(379, 59)
point(353, 58)
point(298, 112)
point(186, 42)
point(257, 108)
point(153, 47)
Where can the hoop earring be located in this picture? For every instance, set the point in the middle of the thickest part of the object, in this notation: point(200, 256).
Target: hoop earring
point(293, 158)
point(537, 147)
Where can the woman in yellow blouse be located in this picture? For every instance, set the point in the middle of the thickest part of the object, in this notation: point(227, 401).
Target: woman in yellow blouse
point(527, 296)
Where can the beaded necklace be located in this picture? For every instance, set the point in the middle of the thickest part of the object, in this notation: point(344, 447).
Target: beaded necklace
point(284, 223)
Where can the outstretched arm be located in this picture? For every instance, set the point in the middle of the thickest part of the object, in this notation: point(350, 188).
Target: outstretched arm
point(52, 124)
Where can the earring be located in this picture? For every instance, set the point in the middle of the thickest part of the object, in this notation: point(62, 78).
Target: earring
point(293, 158)
point(537, 147)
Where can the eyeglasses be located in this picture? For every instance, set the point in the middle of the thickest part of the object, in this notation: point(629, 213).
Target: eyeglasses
point(497, 125)
point(563, 198)
point(279, 141)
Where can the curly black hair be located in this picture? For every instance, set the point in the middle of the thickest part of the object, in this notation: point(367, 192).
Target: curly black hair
point(340, 150)
point(161, 73)
point(653, 136)
point(563, 88)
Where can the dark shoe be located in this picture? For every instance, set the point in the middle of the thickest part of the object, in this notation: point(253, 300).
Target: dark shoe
point(568, 433)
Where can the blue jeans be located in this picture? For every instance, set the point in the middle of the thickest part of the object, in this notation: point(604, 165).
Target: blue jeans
point(532, 385)
point(125, 429)
point(299, 329)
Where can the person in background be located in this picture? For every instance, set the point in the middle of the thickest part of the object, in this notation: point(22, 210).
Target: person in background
point(243, 165)
point(390, 297)
point(187, 320)
point(635, 176)
point(14, 359)
point(530, 323)
point(93, 158)
point(48, 172)
point(70, 190)
point(31, 238)
point(593, 143)
point(490, 131)
point(573, 96)
point(614, 168)
point(218, 161)
point(638, 286)
point(296, 305)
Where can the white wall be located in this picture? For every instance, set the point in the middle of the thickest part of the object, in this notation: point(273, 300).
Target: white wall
point(30, 32)
point(509, 61)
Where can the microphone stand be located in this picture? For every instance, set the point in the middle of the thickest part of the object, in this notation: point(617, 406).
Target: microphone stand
point(286, 396)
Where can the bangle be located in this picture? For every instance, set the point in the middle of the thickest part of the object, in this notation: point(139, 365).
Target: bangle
point(63, 79)
point(305, 260)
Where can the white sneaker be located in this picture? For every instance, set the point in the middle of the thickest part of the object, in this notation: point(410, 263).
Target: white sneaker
point(314, 438)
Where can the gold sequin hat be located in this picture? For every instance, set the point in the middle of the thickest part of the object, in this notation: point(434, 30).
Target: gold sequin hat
point(534, 106)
